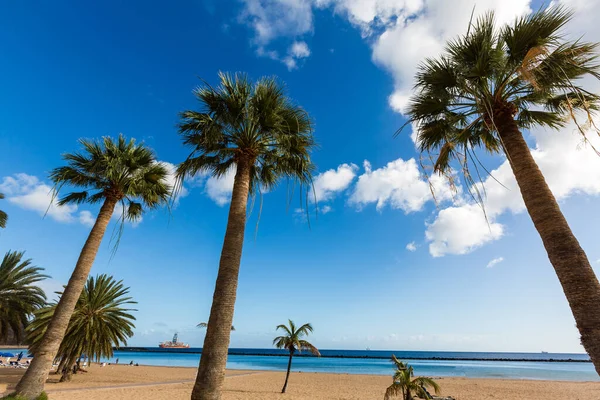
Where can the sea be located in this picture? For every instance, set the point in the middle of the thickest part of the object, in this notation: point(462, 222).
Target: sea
point(537, 366)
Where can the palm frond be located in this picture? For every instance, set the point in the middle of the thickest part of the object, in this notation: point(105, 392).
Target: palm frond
point(254, 121)
point(100, 322)
point(527, 70)
point(20, 295)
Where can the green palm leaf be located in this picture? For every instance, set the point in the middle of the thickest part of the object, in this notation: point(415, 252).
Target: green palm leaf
point(119, 169)
point(20, 297)
point(100, 322)
point(244, 119)
point(405, 385)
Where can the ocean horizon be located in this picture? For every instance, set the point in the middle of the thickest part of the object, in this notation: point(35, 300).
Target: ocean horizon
point(493, 365)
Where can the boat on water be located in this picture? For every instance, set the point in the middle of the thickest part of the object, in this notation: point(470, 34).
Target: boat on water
point(174, 344)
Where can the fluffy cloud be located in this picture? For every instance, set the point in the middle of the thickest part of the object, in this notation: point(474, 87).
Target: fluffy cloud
point(418, 27)
point(271, 19)
point(172, 181)
point(296, 52)
point(331, 182)
point(494, 262)
point(412, 246)
point(400, 184)
point(86, 218)
point(219, 189)
point(461, 229)
point(420, 30)
point(569, 166)
point(27, 192)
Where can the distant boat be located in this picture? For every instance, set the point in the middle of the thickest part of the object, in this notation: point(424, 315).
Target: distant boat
point(368, 349)
point(174, 344)
point(544, 352)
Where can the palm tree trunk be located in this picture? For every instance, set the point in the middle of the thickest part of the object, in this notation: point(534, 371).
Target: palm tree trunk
point(570, 262)
point(32, 383)
point(287, 375)
point(211, 374)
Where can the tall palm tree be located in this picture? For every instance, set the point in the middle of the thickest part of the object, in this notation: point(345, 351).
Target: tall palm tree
point(99, 323)
point(487, 87)
point(204, 325)
point(256, 131)
point(405, 384)
point(292, 341)
point(3, 215)
point(20, 296)
point(113, 173)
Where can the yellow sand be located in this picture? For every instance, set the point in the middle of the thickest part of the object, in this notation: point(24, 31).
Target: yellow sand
point(123, 382)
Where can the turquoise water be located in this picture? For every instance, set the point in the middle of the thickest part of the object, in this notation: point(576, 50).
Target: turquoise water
point(478, 365)
point(572, 371)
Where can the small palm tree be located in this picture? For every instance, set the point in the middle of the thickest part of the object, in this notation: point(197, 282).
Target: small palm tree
point(292, 341)
point(487, 87)
point(256, 131)
point(20, 296)
point(204, 325)
point(113, 173)
point(407, 386)
point(3, 215)
point(99, 323)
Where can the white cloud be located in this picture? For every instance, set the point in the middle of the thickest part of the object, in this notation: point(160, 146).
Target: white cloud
point(219, 189)
point(172, 180)
point(325, 209)
point(421, 28)
point(271, 19)
point(462, 229)
point(331, 182)
point(568, 167)
point(86, 218)
point(297, 51)
point(400, 185)
point(412, 246)
point(27, 192)
point(494, 262)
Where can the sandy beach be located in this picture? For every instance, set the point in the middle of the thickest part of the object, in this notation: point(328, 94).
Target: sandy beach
point(118, 382)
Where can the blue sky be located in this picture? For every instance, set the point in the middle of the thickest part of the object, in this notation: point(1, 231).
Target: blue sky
point(383, 266)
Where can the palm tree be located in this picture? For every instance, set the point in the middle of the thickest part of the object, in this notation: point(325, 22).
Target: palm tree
point(405, 384)
point(487, 87)
point(204, 325)
point(99, 323)
point(3, 215)
point(292, 341)
point(20, 296)
point(112, 173)
point(256, 131)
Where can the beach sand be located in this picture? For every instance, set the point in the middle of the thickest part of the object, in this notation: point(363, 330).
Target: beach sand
point(120, 382)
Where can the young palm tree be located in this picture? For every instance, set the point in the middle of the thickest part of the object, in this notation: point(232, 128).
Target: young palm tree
point(292, 341)
point(20, 296)
point(99, 323)
point(256, 131)
point(204, 325)
point(405, 384)
point(112, 173)
point(3, 215)
point(483, 91)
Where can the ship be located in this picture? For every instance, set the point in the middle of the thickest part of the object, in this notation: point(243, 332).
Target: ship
point(174, 344)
